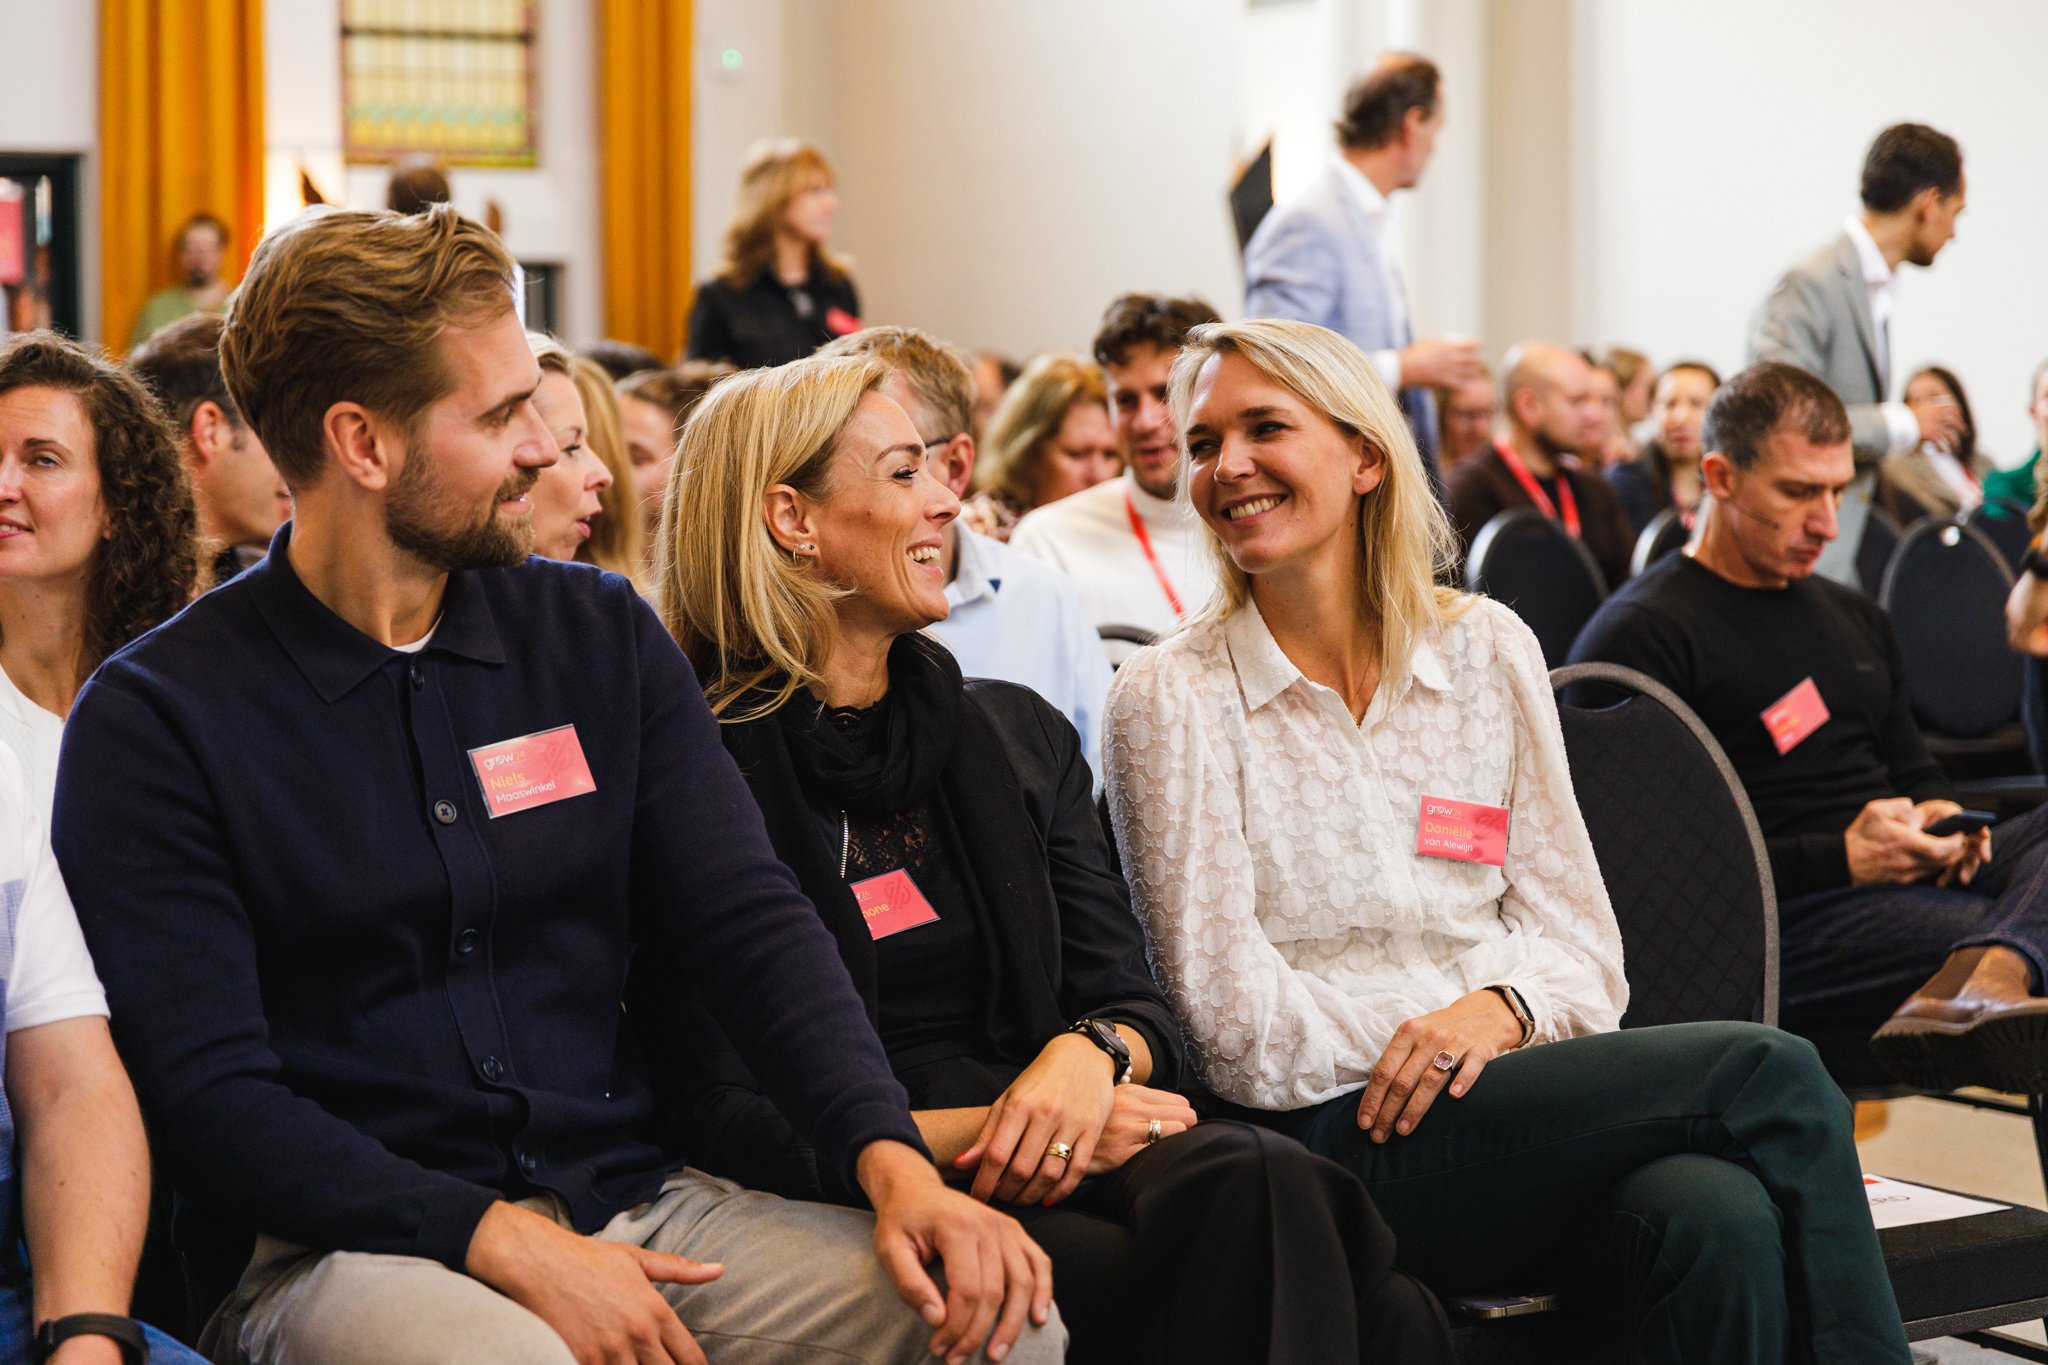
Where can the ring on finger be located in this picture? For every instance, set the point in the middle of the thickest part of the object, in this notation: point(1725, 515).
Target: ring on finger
point(1152, 1132)
point(1444, 1061)
point(1064, 1151)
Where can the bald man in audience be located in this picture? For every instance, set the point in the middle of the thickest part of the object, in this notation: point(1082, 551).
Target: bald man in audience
point(1553, 416)
point(1891, 918)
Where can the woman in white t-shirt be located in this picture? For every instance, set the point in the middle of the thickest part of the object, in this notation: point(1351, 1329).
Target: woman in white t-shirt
point(1345, 810)
point(98, 536)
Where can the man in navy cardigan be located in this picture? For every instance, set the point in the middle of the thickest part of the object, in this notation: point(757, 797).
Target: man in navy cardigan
point(362, 843)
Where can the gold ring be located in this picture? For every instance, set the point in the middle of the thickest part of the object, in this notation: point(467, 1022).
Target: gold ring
point(1443, 1061)
point(1151, 1132)
point(1063, 1150)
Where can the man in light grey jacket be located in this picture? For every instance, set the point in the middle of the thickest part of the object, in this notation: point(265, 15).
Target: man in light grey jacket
point(1323, 258)
point(1831, 314)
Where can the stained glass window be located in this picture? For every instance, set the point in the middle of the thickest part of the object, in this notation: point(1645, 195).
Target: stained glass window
point(450, 77)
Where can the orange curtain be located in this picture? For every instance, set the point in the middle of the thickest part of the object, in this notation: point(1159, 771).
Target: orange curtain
point(644, 60)
point(181, 132)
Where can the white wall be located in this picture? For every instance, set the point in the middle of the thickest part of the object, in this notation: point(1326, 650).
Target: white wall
point(550, 210)
point(1006, 169)
point(1728, 149)
point(49, 102)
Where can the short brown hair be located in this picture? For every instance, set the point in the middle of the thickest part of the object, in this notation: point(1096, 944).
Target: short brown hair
point(678, 389)
point(181, 364)
point(350, 305)
point(1378, 102)
point(418, 182)
point(1905, 159)
point(935, 370)
point(145, 570)
point(1148, 320)
point(1763, 398)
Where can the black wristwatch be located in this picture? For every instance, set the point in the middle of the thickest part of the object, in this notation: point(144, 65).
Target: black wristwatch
point(1518, 1007)
point(1109, 1040)
point(126, 1332)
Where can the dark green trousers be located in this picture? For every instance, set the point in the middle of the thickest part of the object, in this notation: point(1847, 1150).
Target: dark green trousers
point(1697, 1182)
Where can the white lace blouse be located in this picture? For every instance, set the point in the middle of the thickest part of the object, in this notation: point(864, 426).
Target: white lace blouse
point(1271, 842)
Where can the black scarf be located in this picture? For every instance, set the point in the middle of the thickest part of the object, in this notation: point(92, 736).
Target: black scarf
point(937, 746)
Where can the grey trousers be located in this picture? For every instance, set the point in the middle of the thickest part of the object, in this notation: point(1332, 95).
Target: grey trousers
point(801, 1283)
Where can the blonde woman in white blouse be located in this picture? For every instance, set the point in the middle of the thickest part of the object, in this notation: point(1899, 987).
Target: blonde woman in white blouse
point(1344, 805)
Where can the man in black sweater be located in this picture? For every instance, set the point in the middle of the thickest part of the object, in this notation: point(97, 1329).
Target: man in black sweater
point(1801, 681)
point(363, 842)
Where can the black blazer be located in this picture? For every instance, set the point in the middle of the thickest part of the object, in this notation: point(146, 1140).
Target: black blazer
point(763, 323)
point(1089, 960)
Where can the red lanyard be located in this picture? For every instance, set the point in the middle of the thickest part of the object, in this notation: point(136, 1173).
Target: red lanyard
point(1145, 544)
point(1535, 489)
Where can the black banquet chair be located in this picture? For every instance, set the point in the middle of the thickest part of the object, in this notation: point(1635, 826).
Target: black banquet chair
point(1874, 551)
point(1665, 534)
point(1525, 561)
point(1945, 589)
point(1686, 868)
point(2004, 524)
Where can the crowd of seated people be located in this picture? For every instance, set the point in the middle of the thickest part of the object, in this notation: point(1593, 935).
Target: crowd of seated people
point(578, 857)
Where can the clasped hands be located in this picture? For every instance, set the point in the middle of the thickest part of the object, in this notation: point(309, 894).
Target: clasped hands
point(1065, 1096)
point(1888, 843)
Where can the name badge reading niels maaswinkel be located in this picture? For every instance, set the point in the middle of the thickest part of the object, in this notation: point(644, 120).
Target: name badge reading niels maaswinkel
point(892, 903)
point(1462, 830)
point(533, 770)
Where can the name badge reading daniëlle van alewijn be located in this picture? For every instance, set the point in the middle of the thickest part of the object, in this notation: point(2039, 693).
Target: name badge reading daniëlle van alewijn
point(1465, 831)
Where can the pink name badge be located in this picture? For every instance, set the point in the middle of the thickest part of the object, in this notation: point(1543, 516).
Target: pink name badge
point(1794, 716)
point(1462, 830)
point(533, 770)
point(892, 903)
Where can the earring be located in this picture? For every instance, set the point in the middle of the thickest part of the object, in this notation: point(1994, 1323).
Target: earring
point(807, 548)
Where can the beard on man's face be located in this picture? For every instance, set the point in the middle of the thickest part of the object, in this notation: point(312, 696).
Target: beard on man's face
point(427, 522)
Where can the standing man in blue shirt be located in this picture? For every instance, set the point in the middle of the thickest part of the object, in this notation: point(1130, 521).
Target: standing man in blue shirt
point(363, 842)
point(1324, 258)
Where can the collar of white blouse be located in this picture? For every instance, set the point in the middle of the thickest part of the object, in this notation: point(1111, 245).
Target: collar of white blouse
point(1264, 671)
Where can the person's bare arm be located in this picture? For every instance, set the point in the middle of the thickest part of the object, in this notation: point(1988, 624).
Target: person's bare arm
point(2026, 615)
point(84, 1173)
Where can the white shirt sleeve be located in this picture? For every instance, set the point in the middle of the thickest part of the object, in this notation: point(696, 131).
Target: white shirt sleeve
point(1563, 948)
point(50, 974)
point(1388, 363)
point(1903, 426)
point(1265, 1035)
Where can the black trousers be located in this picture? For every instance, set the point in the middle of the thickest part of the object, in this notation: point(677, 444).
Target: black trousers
point(1231, 1242)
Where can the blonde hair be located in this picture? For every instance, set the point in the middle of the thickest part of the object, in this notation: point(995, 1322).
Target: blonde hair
point(343, 304)
point(552, 356)
point(617, 540)
point(1029, 417)
point(1406, 549)
point(748, 613)
point(776, 171)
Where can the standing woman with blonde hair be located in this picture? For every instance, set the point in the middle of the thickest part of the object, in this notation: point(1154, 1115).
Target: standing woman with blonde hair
point(1050, 437)
point(779, 293)
point(946, 832)
point(618, 540)
point(1372, 898)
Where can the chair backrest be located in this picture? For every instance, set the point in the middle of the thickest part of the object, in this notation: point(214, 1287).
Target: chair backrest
point(1550, 580)
point(1678, 846)
point(1946, 589)
point(1665, 534)
point(1121, 642)
point(2004, 524)
point(1874, 551)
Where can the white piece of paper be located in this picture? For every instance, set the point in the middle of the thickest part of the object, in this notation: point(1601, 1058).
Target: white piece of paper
point(1895, 1204)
